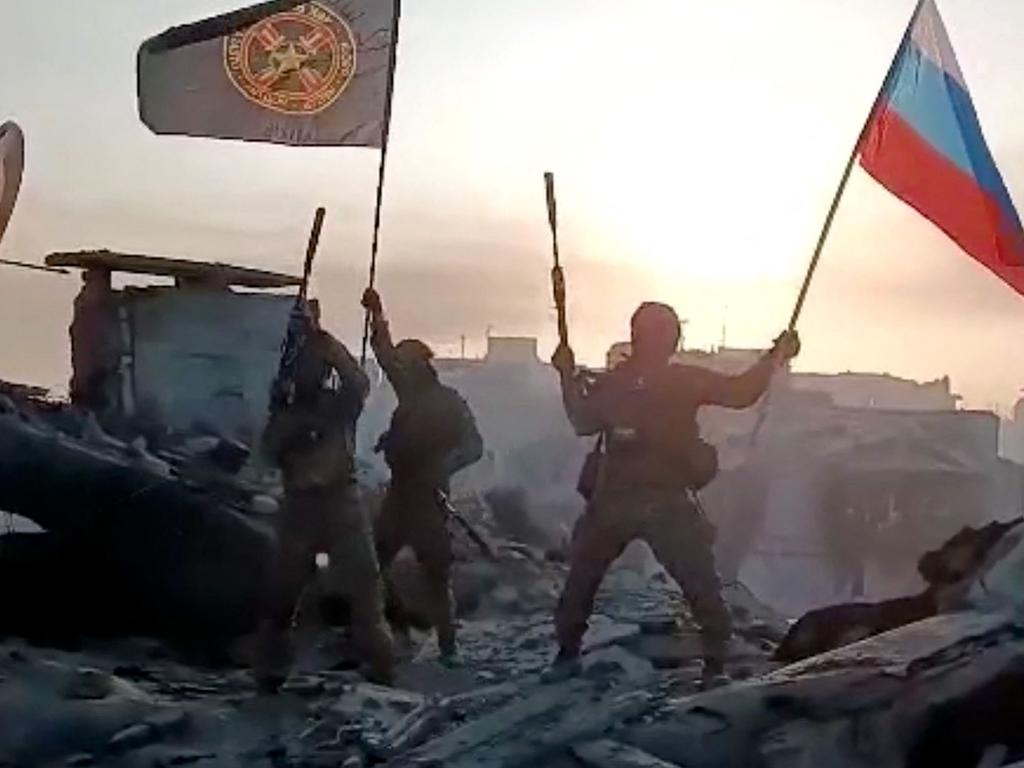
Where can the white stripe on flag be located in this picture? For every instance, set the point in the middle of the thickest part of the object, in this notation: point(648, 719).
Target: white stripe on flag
point(930, 37)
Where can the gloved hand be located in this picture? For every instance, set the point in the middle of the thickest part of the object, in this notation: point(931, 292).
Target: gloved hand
point(372, 303)
point(786, 346)
point(564, 360)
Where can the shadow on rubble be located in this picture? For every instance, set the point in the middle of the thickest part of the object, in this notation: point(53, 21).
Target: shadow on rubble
point(963, 731)
point(943, 569)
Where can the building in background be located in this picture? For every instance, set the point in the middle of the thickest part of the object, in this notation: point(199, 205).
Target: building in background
point(194, 354)
point(881, 391)
point(1011, 434)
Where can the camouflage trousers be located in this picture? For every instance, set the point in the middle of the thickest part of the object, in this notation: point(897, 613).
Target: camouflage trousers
point(331, 520)
point(681, 539)
point(412, 515)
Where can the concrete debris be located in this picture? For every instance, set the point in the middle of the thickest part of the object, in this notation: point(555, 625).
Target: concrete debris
point(667, 651)
point(929, 679)
point(611, 754)
point(902, 698)
point(978, 568)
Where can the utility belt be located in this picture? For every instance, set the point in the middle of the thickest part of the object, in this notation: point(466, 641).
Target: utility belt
point(622, 456)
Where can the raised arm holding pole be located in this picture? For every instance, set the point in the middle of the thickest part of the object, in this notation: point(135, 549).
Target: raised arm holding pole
point(382, 169)
point(834, 207)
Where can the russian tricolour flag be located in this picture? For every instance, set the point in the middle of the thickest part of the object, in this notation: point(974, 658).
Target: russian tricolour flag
point(924, 143)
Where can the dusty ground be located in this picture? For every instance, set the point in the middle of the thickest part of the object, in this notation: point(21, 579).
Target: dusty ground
point(134, 703)
point(942, 691)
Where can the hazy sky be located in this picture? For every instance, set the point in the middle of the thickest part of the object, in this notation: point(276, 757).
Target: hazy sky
point(696, 144)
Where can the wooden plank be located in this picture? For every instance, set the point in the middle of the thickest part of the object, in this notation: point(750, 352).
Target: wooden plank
point(212, 273)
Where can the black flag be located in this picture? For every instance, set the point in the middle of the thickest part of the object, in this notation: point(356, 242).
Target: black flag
point(313, 73)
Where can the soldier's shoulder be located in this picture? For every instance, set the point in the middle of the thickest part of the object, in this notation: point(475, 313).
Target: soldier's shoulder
point(328, 339)
point(453, 396)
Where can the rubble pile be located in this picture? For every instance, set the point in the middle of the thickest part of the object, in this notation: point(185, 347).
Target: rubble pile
point(925, 680)
point(949, 570)
point(133, 702)
point(133, 542)
point(941, 691)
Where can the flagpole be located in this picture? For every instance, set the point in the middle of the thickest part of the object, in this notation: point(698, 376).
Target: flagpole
point(34, 267)
point(382, 169)
point(834, 208)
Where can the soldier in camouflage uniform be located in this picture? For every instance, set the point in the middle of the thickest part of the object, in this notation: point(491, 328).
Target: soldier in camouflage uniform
point(432, 436)
point(646, 472)
point(312, 440)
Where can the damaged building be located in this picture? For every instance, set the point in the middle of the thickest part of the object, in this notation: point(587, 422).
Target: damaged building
point(851, 476)
point(181, 345)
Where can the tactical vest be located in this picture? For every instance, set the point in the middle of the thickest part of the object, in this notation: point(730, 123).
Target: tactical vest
point(425, 429)
point(321, 423)
point(652, 437)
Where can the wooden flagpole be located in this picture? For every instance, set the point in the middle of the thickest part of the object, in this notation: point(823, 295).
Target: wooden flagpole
point(381, 171)
point(34, 267)
point(834, 207)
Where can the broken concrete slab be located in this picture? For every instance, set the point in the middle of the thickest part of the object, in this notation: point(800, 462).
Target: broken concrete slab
point(998, 582)
point(412, 731)
point(666, 651)
point(389, 705)
point(611, 754)
point(752, 617)
point(603, 631)
point(835, 626)
point(473, 737)
point(430, 677)
point(979, 568)
point(556, 720)
point(915, 696)
point(617, 664)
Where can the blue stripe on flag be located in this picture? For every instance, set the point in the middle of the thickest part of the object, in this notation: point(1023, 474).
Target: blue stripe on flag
point(938, 108)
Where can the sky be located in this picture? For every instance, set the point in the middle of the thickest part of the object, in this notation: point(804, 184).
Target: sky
point(696, 145)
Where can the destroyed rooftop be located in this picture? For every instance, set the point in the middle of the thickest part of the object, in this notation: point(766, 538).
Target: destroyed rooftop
point(182, 270)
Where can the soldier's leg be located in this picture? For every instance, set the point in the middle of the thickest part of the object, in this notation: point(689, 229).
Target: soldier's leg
point(431, 541)
point(353, 572)
point(390, 536)
point(291, 570)
point(682, 540)
point(597, 540)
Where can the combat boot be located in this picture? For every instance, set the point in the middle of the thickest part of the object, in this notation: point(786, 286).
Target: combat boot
point(712, 675)
point(273, 660)
point(566, 665)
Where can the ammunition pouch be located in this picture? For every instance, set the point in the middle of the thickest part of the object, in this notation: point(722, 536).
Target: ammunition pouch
point(634, 461)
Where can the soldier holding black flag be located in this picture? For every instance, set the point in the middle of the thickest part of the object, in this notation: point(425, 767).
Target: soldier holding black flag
point(432, 435)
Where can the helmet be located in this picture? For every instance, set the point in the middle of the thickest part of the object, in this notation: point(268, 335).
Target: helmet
point(411, 351)
point(655, 326)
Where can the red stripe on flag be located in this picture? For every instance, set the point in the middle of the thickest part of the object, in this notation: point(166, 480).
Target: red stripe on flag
point(909, 167)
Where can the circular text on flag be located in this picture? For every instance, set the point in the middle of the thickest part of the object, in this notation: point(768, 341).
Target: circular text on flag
point(297, 62)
